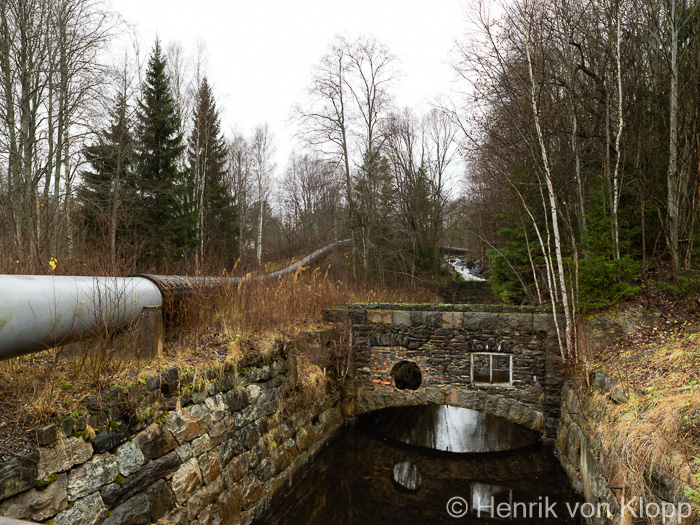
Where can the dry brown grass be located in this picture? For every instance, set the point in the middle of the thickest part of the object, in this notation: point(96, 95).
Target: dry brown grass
point(659, 425)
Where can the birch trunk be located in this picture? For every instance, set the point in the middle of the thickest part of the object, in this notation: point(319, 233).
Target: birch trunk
point(552, 201)
point(617, 183)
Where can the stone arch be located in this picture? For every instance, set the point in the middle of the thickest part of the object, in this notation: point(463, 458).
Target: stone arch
point(504, 407)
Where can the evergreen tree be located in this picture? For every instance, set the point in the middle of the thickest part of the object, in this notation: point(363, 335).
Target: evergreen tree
point(211, 201)
point(165, 222)
point(107, 186)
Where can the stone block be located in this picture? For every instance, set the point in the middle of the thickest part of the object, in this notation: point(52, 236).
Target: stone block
point(130, 458)
point(167, 382)
point(177, 516)
point(543, 323)
point(479, 400)
point(333, 315)
point(401, 318)
point(200, 445)
point(184, 452)
point(20, 473)
point(245, 416)
point(229, 504)
point(417, 318)
point(236, 399)
point(490, 404)
point(252, 491)
point(89, 510)
point(466, 399)
point(432, 395)
point(46, 435)
point(136, 511)
point(189, 423)
point(380, 317)
point(209, 466)
point(90, 476)
point(110, 438)
point(38, 505)
point(216, 406)
point(253, 392)
point(265, 470)
point(236, 469)
point(161, 498)
point(155, 441)
point(186, 480)
point(515, 322)
point(61, 456)
point(204, 497)
point(452, 320)
point(480, 321)
point(114, 494)
point(432, 319)
point(503, 408)
point(358, 316)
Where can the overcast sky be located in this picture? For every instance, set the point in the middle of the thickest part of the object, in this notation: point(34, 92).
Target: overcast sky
point(260, 52)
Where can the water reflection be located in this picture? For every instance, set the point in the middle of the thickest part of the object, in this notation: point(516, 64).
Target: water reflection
point(485, 496)
point(406, 475)
point(359, 480)
point(447, 428)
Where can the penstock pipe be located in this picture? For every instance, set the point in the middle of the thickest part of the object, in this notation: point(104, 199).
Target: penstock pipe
point(39, 312)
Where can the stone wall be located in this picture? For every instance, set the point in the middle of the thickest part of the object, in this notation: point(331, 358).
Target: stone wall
point(440, 340)
point(588, 468)
point(217, 451)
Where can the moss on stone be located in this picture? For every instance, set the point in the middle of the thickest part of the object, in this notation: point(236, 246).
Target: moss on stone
point(43, 483)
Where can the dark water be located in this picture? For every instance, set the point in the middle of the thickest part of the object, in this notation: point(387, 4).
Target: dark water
point(362, 478)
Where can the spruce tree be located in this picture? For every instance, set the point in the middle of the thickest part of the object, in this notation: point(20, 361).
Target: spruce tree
point(211, 200)
point(106, 193)
point(165, 222)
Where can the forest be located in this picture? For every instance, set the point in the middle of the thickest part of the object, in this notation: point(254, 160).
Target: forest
point(566, 155)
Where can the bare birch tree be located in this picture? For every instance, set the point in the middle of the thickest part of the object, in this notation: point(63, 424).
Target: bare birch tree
point(262, 151)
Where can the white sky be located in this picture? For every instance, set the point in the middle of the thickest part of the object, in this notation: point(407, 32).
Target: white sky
point(261, 52)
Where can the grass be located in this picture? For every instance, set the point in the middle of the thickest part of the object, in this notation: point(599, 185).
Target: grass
point(215, 332)
point(658, 428)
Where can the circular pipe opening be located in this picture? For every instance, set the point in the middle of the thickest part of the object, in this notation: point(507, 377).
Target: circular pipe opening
point(407, 375)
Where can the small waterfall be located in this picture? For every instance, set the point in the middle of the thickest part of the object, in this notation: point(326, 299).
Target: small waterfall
point(465, 269)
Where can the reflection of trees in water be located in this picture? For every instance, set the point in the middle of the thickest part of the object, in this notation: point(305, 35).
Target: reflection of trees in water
point(448, 428)
point(354, 481)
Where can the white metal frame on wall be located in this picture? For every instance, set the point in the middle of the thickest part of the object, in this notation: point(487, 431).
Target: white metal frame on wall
point(491, 383)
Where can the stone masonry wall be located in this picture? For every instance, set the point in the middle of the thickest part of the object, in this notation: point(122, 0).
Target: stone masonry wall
point(218, 454)
point(440, 340)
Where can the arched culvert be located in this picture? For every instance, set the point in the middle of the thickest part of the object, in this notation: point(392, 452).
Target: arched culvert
point(407, 375)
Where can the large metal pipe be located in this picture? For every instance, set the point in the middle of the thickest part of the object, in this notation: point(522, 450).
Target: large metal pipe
point(38, 312)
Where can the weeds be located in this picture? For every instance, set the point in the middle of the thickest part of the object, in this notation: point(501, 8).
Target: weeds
point(214, 332)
